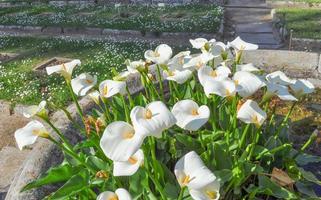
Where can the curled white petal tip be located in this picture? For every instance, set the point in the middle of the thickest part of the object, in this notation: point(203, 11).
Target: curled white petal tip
point(279, 77)
point(301, 87)
point(64, 69)
point(189, 115)
point(223, 88)
point(83, 83)
point(248, 83)
point(251, 113)
point(28, 135)
point(129, 167)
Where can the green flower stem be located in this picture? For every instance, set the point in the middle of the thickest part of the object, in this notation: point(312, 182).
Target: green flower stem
point(285, 120)
point(157, 184)
point(70, 118)
point(131, 101)
point(160, 80)
point(181, 193)
point(59, 133)
point(244, 134)
point(125, 108)
point(72, 154)
point(74, 98)
point(151, 141)
point(256, 140)
point(151, 86)
point(310, 141)
point(214, 111)
point(105, 110)
point(274, 150)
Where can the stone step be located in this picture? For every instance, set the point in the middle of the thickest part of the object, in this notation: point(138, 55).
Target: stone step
point(241, 16)
point(258, 27)
point(11, 160)
point(260, 38)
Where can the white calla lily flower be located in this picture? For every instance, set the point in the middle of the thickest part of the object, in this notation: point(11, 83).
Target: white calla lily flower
point(28, 135)
point(64, 69)
point(190, 171)
point(248, 83)
point(189, 115)
point(178, 61)
point(179, 76)
point(281, 91)
point(218, 48)
point(202, 43)
point(109, 88)
point(279, 77)
point(129, 167)
point(135, 66)
point(33, 110)
point(251, 113)
point(120, 141)
point(247, 67)
point(209, 192)
point(161, 55)
point(153, 119)
point(302, 87)
point(119, 194)
point(95, 96)
point(207, 72)
point(223, 88)
point(198, 61)
point(239, 45)
point(83, 83)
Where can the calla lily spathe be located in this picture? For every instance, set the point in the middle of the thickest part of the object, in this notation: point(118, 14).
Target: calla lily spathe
point(218, 48)
point(153, 119)
point(179, 76)
point(95, 96)
point(247, 67)
point(301, 87)
point(251, 113)
point(83, 83)
point(65, 69)
point(206, 72)
point(120, 141)
point(189, 115)
point(281, 91)
point(129, 167)
point(279, 77)
point(198, 61)
point(239, 45)
point(208, 192)
point(33, 110)
point(248, 83)
point(202, 43)
point(28, 135)
point(119, 194)
point(135, 66)
point(161, 55)
point(190, 171)
point(223, 88)
point(178, 61)
point(109, 88)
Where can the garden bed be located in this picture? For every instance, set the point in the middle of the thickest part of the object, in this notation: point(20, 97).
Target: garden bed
point(182, 18)
point(305, 23)
point(295, 3)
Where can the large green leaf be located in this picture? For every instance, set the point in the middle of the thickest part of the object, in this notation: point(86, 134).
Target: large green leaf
point(97, 163)
point(75, 184)
point(304, 159)
point(221, 159)
point(270, 188)
point(138, 183)
point(309, 176)
point(189, 142)
point(54, 175)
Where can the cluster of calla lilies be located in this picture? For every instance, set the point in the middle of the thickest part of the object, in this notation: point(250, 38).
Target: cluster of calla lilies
point(220, 73)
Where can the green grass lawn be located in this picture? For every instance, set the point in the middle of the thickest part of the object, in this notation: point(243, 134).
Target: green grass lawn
point(305, 23)
point(19, 84)
point(181, 18)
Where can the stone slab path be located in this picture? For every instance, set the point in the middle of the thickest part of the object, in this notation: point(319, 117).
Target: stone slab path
point(251, 20)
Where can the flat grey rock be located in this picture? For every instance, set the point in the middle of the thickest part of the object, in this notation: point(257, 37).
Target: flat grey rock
point(11, 160)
